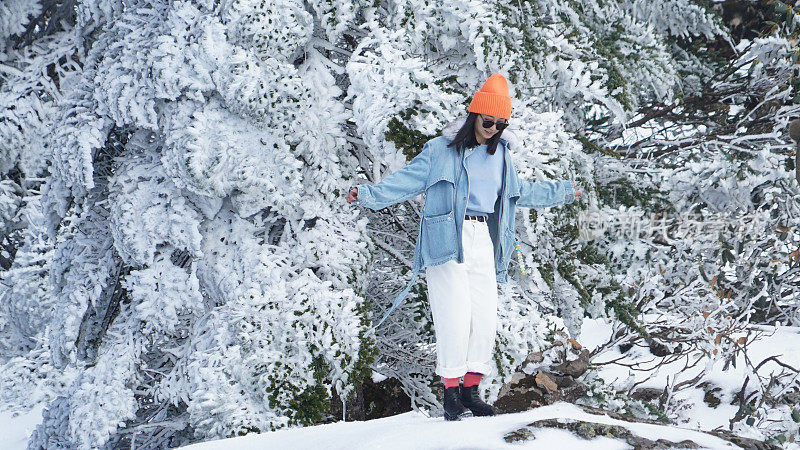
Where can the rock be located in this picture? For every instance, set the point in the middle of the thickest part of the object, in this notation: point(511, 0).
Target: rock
point(537, 390)
point(504, 390)
point(743, 442)
point(522, 380)
point(646, 394)
point(518, 380)
point(591, 430)
point(519, 399)
point(521, 435)
point(657, 348)
point(572, 393)
point(620, 416)
point(545, 377)
point(544, 381)
point(534, 357)
point(711, 394)
point(562, 381)
point(794, 130)
point(574, 368)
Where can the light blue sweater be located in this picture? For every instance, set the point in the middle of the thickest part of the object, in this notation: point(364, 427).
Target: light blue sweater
point(485, 174)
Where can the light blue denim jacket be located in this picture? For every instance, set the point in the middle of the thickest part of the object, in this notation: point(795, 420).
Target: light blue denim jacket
point(439, 172)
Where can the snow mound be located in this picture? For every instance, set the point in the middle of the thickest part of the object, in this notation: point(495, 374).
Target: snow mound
point(417, 431)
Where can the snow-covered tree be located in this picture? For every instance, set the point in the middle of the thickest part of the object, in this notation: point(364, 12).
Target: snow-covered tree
point(185, 270)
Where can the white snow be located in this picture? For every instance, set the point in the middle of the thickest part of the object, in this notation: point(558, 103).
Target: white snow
point(15, 430)
point(780, 341)
point(415, 430)
point(378, 377)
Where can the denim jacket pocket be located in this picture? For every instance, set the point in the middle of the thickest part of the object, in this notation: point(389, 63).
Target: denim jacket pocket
point(439, 196)
point(440, 235)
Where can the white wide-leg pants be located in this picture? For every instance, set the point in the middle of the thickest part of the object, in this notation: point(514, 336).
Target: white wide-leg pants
point(463, 299)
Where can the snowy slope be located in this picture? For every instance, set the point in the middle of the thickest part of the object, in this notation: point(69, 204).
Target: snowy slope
point(782, 341)
point(413, 430)
point(416, 430)
point(15, 430)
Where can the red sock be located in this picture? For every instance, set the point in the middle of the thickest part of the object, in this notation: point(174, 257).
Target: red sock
point(451, 382)
point(472, 379)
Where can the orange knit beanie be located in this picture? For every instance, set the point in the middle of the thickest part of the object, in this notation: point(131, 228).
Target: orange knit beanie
point(492, 99)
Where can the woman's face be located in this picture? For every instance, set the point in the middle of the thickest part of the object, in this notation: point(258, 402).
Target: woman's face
point(484, 134)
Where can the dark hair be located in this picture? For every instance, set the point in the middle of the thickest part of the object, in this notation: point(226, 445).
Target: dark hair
point(465, 137)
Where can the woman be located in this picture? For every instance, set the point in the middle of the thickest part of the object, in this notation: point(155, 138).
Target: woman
point(471, 191)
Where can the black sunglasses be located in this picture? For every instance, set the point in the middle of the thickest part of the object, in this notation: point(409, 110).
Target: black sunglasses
point(500, 125)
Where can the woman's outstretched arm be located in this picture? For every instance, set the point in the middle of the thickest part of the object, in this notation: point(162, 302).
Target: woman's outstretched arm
point(544, 194)
point(401, 185)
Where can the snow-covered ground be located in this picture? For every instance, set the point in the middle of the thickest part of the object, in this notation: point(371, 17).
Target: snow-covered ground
point(14, 431)
point(415, 430)
point(779, 341)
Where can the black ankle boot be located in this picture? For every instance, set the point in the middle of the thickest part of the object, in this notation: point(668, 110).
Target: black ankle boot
point(453, 409)
point(470, 399)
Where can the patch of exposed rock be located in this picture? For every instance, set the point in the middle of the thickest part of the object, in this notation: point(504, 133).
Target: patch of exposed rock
point(545, 377)
point(591, 430)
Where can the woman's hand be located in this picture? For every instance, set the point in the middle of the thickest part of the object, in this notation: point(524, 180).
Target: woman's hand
point(578, 193)
point(352, 195)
